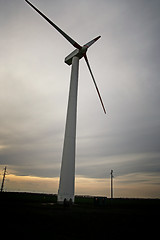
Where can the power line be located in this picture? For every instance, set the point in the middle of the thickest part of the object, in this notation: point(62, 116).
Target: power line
point(112, 183)
point(4, 175)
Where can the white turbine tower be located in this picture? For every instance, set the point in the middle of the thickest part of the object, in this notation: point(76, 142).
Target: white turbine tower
point(67, 175)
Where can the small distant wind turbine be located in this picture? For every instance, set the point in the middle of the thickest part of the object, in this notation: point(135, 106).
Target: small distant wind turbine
point(67, 175)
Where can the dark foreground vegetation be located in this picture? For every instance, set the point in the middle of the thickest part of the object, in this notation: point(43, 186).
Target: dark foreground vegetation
point(28, 215)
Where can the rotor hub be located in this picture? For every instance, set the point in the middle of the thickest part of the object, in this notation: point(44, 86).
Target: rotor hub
point(76, 53)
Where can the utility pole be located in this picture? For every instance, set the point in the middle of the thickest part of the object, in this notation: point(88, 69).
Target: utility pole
point(4, 175)
point(112, 184)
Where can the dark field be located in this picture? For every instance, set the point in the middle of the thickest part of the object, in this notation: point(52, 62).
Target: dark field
point(28, 215)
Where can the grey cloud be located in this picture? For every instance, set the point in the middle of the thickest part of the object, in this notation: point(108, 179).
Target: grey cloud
point(121, 164)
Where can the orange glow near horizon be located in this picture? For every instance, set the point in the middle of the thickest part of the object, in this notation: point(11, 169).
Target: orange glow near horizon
point(86, 186)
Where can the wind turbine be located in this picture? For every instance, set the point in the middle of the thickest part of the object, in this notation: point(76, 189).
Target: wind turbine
point(67, 175)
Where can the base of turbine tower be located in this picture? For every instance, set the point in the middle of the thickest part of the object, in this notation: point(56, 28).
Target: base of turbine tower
point(66, 200)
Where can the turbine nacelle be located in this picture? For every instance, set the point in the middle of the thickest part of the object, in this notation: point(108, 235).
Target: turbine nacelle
point(76, 53)
point(80, 52)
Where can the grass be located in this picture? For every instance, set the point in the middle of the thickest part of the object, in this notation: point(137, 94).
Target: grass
point(37, 215)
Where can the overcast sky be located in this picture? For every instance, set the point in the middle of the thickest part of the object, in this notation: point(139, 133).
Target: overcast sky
point(34, 85)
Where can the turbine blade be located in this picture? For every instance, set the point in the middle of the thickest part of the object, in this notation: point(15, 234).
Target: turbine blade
point(91, 42)
point(74, 43)
point(95, 83)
